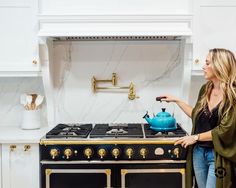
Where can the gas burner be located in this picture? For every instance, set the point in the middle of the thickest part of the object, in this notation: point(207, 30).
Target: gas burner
point(165, 133)
point(70, 130)
point(117, 130)
point(179, 132)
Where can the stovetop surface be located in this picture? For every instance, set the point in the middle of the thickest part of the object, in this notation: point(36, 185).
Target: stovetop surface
point(106, 131)
point(117, 130)
point(70, 131)
point(149, 133)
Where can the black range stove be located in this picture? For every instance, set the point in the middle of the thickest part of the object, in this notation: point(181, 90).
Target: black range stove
point(112, 155)
point(90, 138)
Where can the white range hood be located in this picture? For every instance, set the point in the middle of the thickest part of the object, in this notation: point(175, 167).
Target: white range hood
point(115, 25)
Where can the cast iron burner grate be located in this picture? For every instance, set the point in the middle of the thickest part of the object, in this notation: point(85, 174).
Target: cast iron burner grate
point(117, 130)
point(70, 130)
point(179, 132)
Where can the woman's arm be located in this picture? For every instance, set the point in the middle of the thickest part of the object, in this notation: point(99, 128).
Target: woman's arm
point(192, 139)
point(206, 136)
point(187, 109)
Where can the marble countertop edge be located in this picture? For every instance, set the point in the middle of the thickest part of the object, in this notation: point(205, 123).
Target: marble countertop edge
point(10, 134)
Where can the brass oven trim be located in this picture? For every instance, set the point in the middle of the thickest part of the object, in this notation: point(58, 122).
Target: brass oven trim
point(171, 170)
point(116, 162)
point(107, 172)
point(89, 142)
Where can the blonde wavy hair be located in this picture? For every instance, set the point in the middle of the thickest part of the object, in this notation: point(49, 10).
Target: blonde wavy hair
point(224, 68)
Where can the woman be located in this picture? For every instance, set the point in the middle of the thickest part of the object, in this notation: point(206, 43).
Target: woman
point(213, 139)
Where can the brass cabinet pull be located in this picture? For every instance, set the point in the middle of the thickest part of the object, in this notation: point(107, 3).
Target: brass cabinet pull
point(35, 62)
point(27, 147)
point(12, 147)
point(197, 61)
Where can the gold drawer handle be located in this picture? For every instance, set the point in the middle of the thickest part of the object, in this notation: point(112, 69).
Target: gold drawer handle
point(12, 147)
point(34, 62)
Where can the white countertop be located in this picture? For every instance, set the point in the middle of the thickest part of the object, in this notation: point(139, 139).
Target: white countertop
point(10, 134)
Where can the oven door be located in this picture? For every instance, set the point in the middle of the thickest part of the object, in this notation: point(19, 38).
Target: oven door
point(74, 178)
point(153, 178)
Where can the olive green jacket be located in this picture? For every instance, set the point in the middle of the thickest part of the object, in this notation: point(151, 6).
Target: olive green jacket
point(224, 141)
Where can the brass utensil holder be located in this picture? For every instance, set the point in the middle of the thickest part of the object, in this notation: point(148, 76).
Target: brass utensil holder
point(113, 80)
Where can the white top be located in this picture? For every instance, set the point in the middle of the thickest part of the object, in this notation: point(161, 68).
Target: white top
point(18, 135)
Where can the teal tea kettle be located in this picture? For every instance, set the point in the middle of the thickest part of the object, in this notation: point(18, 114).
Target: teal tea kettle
point(163, 121)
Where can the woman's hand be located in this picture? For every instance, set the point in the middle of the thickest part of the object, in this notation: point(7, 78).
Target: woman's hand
point(169, 98)
point(184, 106)
point(186, 141)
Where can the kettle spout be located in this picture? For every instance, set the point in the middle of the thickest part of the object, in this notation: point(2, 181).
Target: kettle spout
point(147, 118)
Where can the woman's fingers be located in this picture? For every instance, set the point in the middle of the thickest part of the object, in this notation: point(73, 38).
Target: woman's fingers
point(185, 141)
point(179, 141)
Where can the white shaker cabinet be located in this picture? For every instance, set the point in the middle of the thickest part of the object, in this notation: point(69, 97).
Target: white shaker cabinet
point(20, 166)
point(18, 36)
point(214, 27)
point(0, 166)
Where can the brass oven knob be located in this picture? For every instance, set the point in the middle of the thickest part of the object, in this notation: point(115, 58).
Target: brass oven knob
point(68, 153)
point(88, 152)
point(102, 153)
point(115, 152)
point(143, 152)
point(129, 152)
point(54, 153)
point(176, 152)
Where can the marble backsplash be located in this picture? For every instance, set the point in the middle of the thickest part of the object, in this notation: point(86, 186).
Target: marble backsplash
point(10, 91)
point(154, 67)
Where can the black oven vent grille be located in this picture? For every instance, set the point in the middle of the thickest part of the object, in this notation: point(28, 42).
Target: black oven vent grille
point(117, 38)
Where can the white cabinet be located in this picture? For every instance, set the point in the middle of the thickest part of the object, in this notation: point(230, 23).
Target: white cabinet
point(20, 166)
point(18, 36)
point(214, 27)
point(0, 166)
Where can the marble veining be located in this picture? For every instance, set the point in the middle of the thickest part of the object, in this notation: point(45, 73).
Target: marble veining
point(154, 67)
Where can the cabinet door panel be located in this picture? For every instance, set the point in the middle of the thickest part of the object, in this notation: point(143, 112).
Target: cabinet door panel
point(20, 167)
point(214, 28)
point(18, 36)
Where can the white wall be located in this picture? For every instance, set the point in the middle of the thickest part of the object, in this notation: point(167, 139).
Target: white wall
point(114, 7)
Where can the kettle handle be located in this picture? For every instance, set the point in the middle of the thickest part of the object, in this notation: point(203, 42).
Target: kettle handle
point(146, 115)
point(159, 98)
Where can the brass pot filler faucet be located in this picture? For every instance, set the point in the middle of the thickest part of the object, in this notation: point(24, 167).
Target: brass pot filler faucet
point(113, 80)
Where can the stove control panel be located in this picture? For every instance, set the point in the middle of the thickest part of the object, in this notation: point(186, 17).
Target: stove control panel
point(112, 152)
